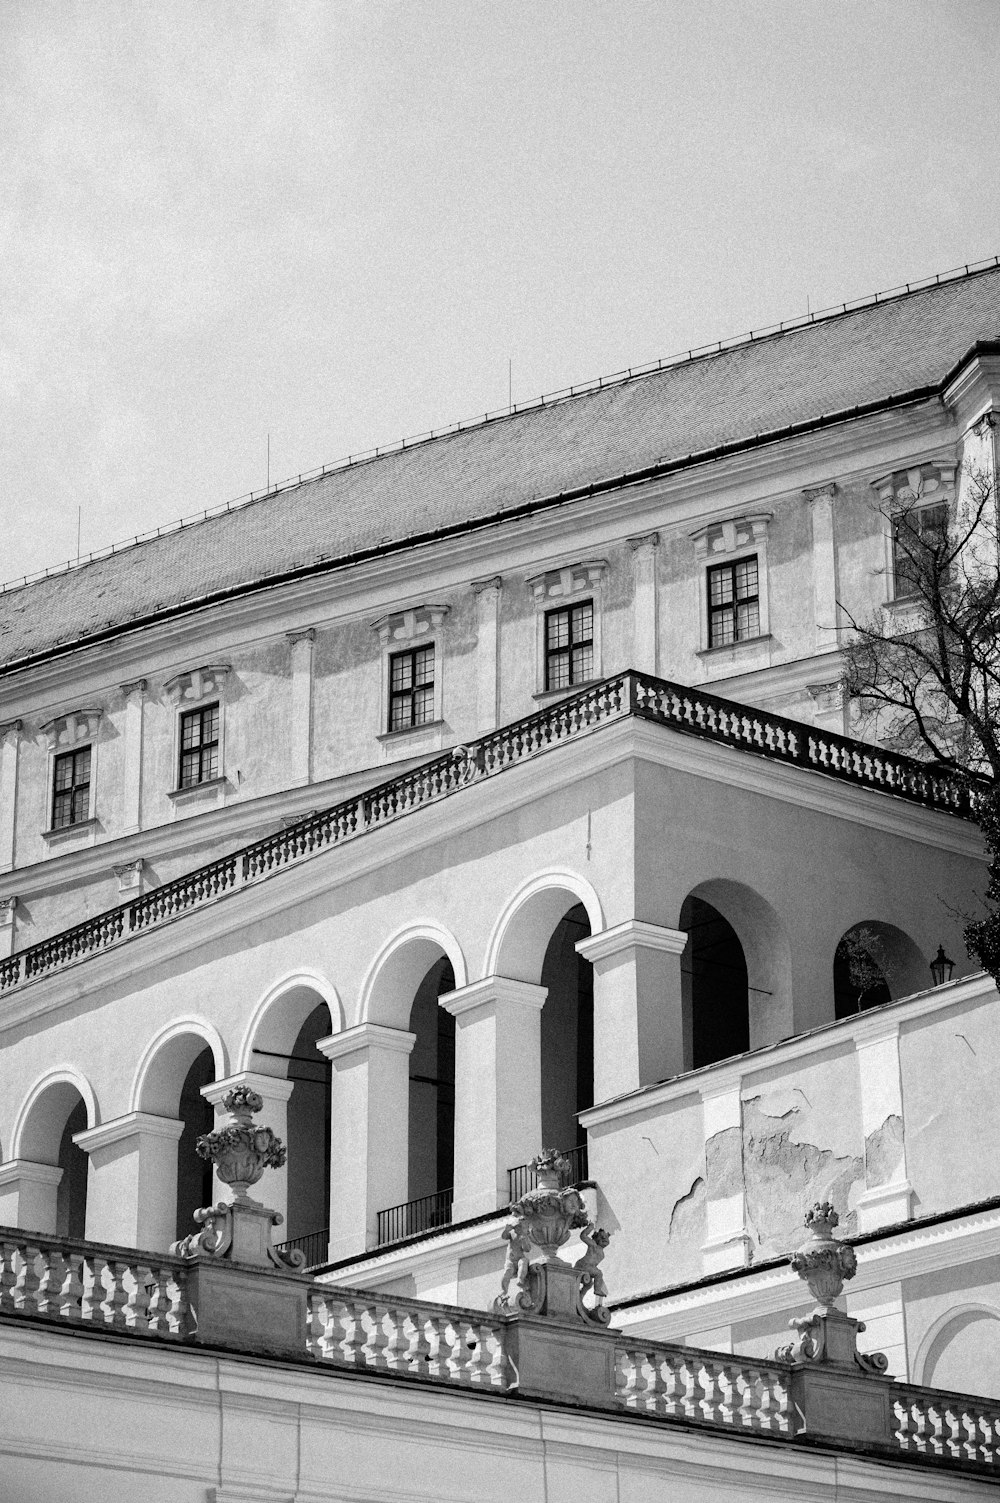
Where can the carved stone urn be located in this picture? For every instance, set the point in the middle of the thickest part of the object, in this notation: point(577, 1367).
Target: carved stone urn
point(242, 1151)
point(240, 1229)
point(544, 1220)
point(829, 1335)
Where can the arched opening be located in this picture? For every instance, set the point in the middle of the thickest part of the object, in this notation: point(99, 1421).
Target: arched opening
point(965, 1355)
point(54, 1117)
point(714, 985)
point(567, 1041)
point(875, 963)
point(194, 1175)
point(431, 1140)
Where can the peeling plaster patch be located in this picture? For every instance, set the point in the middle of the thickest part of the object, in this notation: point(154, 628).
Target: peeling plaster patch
point(724, 1163)
point(687, 1219)
point(781, 1103)
point(783, 1177)
point(884, 1151)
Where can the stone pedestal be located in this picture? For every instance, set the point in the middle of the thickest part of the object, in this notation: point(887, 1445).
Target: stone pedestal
point(638, 1009)
point(132, 1185)
point(369, 1146)
point(498, 1100)
point(554, 1359)
point(247, 1309)
point(28, 1194)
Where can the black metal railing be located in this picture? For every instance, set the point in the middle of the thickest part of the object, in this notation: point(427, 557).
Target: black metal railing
point(523, 1178)
point(691, 712)
point(415, 1216)
point(315, 1245)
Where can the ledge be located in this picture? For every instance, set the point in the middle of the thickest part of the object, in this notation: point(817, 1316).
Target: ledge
point(181, 795)
point(66, 832)
point(744, 645)
point(552, 696)
point(408, 730)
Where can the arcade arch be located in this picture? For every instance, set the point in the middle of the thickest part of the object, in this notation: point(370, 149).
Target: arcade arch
point(961, 1350)
point(56, 1109)
point(875, 963)
point(175, 1069)
point(736, 986)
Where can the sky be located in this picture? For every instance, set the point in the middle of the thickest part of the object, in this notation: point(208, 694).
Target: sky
point(339, 222)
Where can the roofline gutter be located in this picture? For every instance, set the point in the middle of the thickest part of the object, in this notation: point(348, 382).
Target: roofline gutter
point(514, 513)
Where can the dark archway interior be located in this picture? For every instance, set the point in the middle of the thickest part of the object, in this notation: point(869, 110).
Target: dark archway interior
point(859, 981)
point(194, 1175)
point(309, 1130)
point(714, 979)
point(432, 1086)
point(567, 1033)
point(71, 1196)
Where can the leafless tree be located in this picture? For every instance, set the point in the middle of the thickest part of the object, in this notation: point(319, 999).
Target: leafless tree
point(923, 674)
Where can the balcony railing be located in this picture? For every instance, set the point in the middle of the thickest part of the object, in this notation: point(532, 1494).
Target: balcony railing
point(315, 1245)
point(415, 1216)
point(523, 1178)
point(691, 712)
point(63, 1281)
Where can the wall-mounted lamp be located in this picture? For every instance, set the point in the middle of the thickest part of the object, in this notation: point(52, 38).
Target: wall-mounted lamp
point(941, 967)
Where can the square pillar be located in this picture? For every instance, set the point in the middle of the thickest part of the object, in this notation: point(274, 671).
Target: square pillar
point(638, 1009)
point(275, 1090)
point(888, 1194)
point(10, 740)
point(824, 567)
point(134, 695)
point(727, 1242)
point(28, 1194)
point(369, 1131)
point(498, 1087)
point(487, 592)
point(132, 1184)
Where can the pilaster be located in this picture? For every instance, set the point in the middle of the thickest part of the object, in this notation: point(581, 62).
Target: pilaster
point(824, 567)
point(888, 1194)
point(498, 1098)
point(487, 592)
point(132, 1183)
point(369, 1131)
point(644, 601)
point(135, 697)
point(638, 1009)
point(10, 740)
point(727, 1242)
point(300, 730)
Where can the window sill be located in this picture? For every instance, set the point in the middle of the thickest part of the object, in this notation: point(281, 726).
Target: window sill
point(731, 647)
point(551, 696)
point(181, 795)
point(66, 832)
point(391, 737)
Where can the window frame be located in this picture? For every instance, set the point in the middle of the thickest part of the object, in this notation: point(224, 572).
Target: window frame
point(561, 587)
point(408, 694)
point(901, 516)
point(188, 716)
point(571, 646)
point(61, 758)
point(728, 541)
point(731, 566)
point(71, 731)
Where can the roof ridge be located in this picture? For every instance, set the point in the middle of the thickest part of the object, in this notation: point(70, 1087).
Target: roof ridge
point(516, 409)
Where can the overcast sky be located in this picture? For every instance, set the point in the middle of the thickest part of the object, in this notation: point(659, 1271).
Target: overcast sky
point(336, 222)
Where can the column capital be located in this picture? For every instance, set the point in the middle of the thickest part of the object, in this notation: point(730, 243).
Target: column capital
point(307, 634)
point(271, 1087)
point(814, 493)
point(644, 540)
point(10, 728)
point(367, 1036)
point(480, 586)
point(135, 686)
point(493, 989)
point(8, 907)
point(632, 934)
point(131, 1125)
point(17, 1170)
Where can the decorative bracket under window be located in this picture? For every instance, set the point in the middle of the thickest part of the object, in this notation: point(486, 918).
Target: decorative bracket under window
point(197, 683)
point(68, 731)
point(730, 536)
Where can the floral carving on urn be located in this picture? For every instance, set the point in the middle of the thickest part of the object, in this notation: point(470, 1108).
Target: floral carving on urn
point(544, 1220)
point(242, 1150)
point(824, 1263)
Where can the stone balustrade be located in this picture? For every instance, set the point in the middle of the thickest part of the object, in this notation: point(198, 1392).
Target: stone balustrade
point(65, 1282)
point(688, 711)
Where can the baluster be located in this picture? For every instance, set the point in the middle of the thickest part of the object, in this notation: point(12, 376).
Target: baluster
point(437, 1354)
point(26, 1288)
point(968, 1441)
point(117, 1295)
point(50, 1283)
point(136, 1308)
point(951, 1428)
point(764, 1407)
point(919, 1427)
point(632, 1377)
point(712, 1403)
point(397, 1342)
point(675, 1385)
point(352, 1344)
point(8, 1274)
point(478, 1359)
point(743, 1399)
point(159, 1303)
point(377, 1339)
point(418, 1345)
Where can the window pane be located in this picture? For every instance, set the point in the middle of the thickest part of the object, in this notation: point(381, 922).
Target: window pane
point(720, 584)
point(558, 670)
point(722, 627)
point(557, 628)
point(423, 705)
point(402, 671)
point(424, 673)
point(402, 710)
point(62, 809)
point(583, 664)
point(81, 766)
point(209, 763)
point(583, 622)
point(64, 771)
point(210, 724)
point(748, 620)
point(746, 578)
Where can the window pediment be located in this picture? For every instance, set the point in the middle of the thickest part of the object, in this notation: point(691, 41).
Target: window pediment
point(731, 534)
point(571, 579)
point(197, 683)
point(408, 625)
point(73, 728)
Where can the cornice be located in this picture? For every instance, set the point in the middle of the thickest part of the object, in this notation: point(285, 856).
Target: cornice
point(131, 1125)
point(501, 990)
point(367, 1036)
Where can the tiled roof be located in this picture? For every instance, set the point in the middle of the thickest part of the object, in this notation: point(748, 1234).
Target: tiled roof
point(854, 359)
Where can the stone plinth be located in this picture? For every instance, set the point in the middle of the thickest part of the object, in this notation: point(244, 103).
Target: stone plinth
point(554, 1359)
point(246, 1308)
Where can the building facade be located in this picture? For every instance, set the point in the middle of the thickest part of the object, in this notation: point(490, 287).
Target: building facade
point(495, 792)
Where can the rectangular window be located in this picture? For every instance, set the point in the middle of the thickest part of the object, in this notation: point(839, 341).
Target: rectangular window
point(733, 602)
point(411, 688)
point(71, 789)
point(918, 537)
point(569, 646)
point(199, 746)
